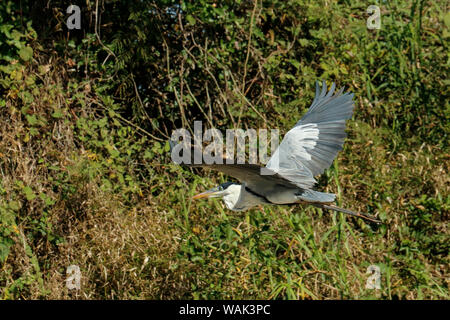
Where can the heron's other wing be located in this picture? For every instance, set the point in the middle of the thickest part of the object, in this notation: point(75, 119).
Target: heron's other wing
point(251, 174)
point(312, 144)
point(254, 176)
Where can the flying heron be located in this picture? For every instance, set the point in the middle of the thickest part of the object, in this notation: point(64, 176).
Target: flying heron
point(305, 152)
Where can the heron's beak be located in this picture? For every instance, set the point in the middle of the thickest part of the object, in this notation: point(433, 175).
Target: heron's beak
point(206, 194)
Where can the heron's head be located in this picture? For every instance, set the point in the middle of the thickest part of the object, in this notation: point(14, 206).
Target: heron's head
point(228, 191)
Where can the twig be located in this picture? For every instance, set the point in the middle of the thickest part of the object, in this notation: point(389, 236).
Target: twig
point(248, 45)
point(143, 107)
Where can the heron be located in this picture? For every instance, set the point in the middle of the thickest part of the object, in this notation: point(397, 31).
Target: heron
point(307, 150)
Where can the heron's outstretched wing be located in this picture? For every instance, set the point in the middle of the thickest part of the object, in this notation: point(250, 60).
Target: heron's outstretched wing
point(254, 176)
point(251, 174)
point(311, 146)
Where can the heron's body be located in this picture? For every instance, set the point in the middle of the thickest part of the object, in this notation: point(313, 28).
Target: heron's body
point(305, 152)
point(239, 197)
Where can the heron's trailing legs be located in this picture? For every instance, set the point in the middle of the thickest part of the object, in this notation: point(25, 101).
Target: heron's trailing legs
point(352, 213)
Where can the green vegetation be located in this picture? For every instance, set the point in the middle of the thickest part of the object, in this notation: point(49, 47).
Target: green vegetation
point(86, 176)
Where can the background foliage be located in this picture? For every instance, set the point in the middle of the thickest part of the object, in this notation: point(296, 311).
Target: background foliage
point(86, 178)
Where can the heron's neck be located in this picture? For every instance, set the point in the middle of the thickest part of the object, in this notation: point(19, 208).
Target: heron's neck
point(231, 199)
point(239, 199)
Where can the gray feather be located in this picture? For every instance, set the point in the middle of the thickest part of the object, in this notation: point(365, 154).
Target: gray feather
point(311, 146)
point(316, 196)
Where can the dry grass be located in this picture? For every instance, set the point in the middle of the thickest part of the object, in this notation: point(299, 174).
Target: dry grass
point(122, 253)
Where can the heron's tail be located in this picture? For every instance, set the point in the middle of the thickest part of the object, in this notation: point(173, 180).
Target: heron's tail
point(352, 213)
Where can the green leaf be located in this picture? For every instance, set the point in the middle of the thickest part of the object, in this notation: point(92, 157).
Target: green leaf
point(26, 53)
point(57, 114)
point(32, 120)
point(447, 19)
point(4, 251)
point(14, 205)
point(29, 194)
point(190, 19)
